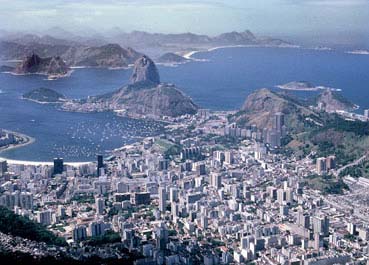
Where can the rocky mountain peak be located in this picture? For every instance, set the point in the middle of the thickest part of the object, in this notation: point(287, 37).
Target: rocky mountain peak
point(32, 60)
point(145, 72)
point(34, 64)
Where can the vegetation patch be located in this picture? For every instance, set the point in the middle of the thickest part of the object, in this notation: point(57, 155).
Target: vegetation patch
point(327, 184)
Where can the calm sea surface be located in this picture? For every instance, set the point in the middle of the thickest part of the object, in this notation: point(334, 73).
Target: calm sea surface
point(222, 82)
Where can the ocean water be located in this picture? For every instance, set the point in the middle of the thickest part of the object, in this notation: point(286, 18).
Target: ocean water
point(231, 74)
point(73, 136)
point(221, 82)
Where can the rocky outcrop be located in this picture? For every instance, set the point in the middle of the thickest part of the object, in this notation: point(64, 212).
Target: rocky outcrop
point(145, 73)
point(260, 107)
point(36, 65)
point(331, 101)
point(144, 97)
point(161, 100)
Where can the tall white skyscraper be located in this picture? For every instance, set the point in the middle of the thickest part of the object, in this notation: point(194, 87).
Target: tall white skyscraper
point(162, 199)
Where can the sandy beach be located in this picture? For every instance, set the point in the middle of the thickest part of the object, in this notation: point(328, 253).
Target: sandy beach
point(37, 163)
point(26, 141)
point(188, 55)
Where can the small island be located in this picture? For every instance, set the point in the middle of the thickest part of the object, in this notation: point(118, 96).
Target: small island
point(172, 58)
point(304, 86)
point(44, 96)
point(359, 52)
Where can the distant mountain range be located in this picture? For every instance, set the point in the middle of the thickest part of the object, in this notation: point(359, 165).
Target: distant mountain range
point(106, 50)
point(141, 38)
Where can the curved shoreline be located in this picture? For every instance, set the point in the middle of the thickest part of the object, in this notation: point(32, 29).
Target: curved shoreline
point(188, 55)
point(26, 140)
point(41, 163)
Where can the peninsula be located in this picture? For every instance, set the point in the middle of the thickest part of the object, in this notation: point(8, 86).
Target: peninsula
point(144, 97)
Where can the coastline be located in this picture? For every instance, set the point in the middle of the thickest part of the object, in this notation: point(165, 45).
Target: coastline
point(27, 140)
point(43, 103)
point(317, 88)
point(49, 77)
point(188, 55)
point(37, 163)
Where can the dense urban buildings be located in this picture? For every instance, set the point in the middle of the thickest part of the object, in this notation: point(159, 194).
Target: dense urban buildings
point(204, 204)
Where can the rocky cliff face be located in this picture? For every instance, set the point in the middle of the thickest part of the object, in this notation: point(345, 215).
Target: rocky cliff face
point(144, 97)
point(145, 73)
point(37, 65)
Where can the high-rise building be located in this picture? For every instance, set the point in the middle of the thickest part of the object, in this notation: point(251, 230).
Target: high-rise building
point(174, 210)
point(44, 217)
point(351, 228)
point(219, 156)
point(61, 212)
point(26, 200)
point(200, 169)
point(321, 225)
point(161, 237)
point(79, 233)
point(228, 157)
point(173, 194)
point(303, 220)
point(163, 164)
point(204, 221)
point(3, 167)
point(278, 121)
point(331, 162)
point(58, 166)
point(216, 180)
point(317, 241)
point(96, 229)
point(100, 164)
point(162, 199)
point(281, 196)
point(100, 206)
point(321, 165)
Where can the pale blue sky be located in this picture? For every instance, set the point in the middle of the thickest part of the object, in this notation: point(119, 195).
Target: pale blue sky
point(314, 18)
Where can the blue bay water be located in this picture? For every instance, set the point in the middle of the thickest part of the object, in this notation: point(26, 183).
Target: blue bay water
point(221, 83)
